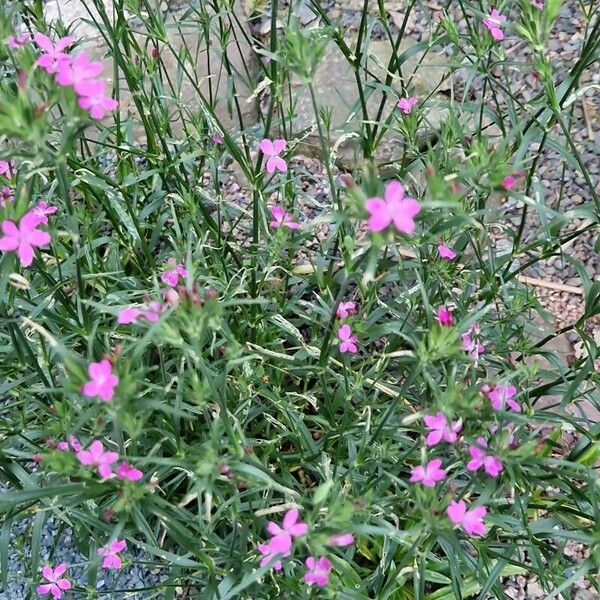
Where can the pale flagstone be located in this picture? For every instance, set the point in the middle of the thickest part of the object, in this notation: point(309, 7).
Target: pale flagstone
point(337, 93)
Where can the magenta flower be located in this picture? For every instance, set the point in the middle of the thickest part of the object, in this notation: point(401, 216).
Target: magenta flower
point(345, 309)
point(470, 342)
point(291, 526)
point(494, 24)
point(151, 312)
point(509, 182)
point(217, 138)
point(394, 207)
point(112, 560)
point(92, 98)
point(502, 396)
point(539, 4)
point(407, 104)
point(444, 316)
point(42, 210)
point(491, 464)
point(72, 443)
point(172, 275)
point(24, 237)
point(318, 570)
point(6, 196)
point(80, 69)
point(15, 42)
point(128, 473)
point(281, 218)
point(272, 150)
point(57, 584)
point(102, 381)
point(7, 168)
point(446, 253)
point(96, 456)
point(52, 54)
point(347, 341)
point(440, 429)
point(471, 521)
point(341, 540)
point(279, 546)
point(429, 474)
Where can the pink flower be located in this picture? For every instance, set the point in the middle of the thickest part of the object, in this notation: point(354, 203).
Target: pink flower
point(539, 4)
point(491, 464)
point(74, 73)
point(347, 340)
point(128, 473)
point(7, 168)
point(471, 521)
point(92, 98)
point(494, 24)
point(345, 309)
point(95, 456)
point(597, 365)
point(393, 207)
point(57, 583)
point(508, 183)
point(102, 381)
point(42, 210)
point(150, 312)
point(446, 253)
point(444, 316)
point(503, 395)
point(407, 104)
point(5, 196)
point(470, 342)
point(278, 546)
point(217, 138)
point(24, 237)
point(172, 275)
point(341, 540)
point(15, 42)
point(73, 444)
point(281, 218)
point(291, 525)
point(440, 429)
point(318, 570)
point(53, 55)
point(272, 150)
point(112, 560)
point(429, 474)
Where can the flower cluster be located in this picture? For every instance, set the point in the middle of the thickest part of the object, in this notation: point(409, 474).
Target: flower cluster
point(347, 341)
point(281, 542)
point(76, 71)
point(103, 460)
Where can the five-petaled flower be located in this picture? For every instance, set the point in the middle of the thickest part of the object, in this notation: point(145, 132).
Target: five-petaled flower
point(173, 273)
point(53, 55)
point(347, 341)
point(24, 237)
point(470, 520)
point(93, 98)
point(428, 474)
point(445, 252)
point(272, 150)
point(494, 23)
point(291, 525)
point(441, 429)
point(42, 210)
point(491, 464)
point(394, 208)
point(281, 218)
point(102, 381)
point(112, 560)
point(78, 70)
point(128, 473)
point(279, 546)
point(345, 309)
point(96, 456)
point(407, 104)
point(318, 570)
point(57, 583)
point(502, 396)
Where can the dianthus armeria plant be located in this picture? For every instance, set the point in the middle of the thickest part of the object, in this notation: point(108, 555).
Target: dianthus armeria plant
point(259, 343)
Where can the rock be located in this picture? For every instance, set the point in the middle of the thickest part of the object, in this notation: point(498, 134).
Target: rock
point(337, 94)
